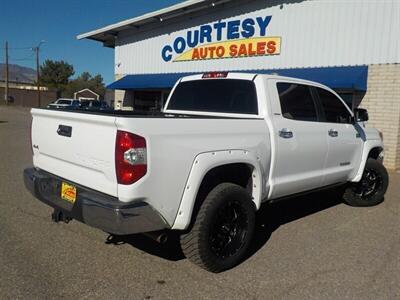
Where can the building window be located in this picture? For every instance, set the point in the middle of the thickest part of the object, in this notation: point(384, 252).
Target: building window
point(147, 101)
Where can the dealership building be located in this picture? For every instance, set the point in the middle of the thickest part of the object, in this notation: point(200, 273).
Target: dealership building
point(352, 46)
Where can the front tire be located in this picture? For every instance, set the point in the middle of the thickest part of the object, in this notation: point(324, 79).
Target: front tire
point(222, 230)
point(372, 187)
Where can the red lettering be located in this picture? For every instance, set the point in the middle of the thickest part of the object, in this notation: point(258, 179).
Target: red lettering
point(220, 51)
point(261, 48)
point(251, 51)
point(211, 50)
point(195, 54)
point(233, 50)
point(203, 53)
point(242, 50)
point(271, 47)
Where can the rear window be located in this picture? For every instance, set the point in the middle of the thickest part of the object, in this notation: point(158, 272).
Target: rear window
point(215, 95)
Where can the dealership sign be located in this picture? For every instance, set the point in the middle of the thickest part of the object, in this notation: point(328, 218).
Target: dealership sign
point(237, 38)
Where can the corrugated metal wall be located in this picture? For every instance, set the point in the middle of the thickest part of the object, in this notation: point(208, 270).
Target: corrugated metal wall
point(317, 33)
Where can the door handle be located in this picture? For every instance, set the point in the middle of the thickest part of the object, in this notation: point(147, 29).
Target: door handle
point(285, 133)
point(333, 133)
point(64, 130)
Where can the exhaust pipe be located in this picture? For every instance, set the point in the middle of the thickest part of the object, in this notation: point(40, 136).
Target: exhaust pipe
point(158, 236)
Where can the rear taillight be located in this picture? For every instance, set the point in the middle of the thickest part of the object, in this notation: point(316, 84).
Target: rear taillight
point(130, 157)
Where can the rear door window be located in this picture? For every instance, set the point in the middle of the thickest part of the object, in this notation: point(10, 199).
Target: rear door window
point(297, 102)
point(334, 109)
point(215, 95)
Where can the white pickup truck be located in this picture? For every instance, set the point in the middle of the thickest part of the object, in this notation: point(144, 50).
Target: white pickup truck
point(224, 144)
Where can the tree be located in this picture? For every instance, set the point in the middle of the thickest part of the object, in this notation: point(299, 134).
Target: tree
point(86, 81)
point(56, 74)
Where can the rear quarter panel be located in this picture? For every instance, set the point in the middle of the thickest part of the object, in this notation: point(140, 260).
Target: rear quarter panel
point(172, 146)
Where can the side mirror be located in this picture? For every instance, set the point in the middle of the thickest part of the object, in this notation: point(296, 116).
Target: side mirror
point(360, 115)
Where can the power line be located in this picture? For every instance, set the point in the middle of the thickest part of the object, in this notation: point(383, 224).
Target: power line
point(22, 59)
point(20, 48)
point(29, 57)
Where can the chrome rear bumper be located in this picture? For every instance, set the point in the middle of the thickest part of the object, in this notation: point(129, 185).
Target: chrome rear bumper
point(94, 208)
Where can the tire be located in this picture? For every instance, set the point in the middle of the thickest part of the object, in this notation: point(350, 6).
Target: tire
point(372, 187)
point(222, 230)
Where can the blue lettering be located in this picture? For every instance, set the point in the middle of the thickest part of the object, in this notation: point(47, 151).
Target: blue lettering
point(205, 33)
point(248, 28)
point(179, 44)
point(219, 26)
point(263, 24)
point(233, 30)
point(193, 42)
point(166, 56)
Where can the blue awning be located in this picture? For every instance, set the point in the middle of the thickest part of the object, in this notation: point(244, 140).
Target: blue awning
point(349, 78)
point(147, 81)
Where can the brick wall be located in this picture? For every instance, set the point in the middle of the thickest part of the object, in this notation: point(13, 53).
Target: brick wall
point(382, 100)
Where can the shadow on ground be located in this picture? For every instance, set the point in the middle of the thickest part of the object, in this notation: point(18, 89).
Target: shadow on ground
point(269, 218)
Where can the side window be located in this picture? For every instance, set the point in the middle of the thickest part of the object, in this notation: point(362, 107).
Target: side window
point(335, 111)
point(296, 102)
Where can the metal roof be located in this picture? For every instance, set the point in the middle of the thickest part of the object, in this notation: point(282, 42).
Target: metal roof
point(107, 34)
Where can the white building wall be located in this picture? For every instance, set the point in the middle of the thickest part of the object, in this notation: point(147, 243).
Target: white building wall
point(317, 33)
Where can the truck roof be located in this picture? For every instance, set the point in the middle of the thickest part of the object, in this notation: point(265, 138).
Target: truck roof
point(245, 76)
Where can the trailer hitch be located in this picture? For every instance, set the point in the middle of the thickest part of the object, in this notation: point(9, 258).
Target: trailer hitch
point(59, 216)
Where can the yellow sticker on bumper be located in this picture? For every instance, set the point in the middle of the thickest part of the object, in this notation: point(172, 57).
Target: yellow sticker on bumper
point(68, 192)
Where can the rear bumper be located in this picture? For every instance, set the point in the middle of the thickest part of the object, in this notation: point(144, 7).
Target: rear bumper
point(93, 208)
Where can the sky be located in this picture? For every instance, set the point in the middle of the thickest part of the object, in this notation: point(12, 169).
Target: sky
point(24, 23)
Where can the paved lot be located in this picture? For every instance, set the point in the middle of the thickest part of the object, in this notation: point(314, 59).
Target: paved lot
point(306, 248)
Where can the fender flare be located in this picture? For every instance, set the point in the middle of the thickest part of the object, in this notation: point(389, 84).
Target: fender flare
point(368, 146)
point(205, 162)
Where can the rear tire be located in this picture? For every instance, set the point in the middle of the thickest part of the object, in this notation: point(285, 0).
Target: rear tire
point(222, 230)
point(372, 187)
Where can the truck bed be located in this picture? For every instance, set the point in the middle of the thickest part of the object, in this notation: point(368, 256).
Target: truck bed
point(173, 141)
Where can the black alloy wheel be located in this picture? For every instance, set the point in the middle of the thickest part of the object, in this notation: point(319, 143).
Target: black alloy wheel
point(229, 231)
point(370, 184)
point(370, 190)
point(222, 229)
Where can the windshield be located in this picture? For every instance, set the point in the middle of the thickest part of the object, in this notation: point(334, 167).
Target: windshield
point(215, 95)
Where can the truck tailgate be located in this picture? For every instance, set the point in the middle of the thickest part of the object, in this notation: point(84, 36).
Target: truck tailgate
point(76, 146)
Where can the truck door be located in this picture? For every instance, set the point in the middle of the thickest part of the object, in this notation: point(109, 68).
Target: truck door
point(344, 138)
point(300, 140)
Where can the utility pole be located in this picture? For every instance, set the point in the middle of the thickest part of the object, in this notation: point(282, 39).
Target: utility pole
point(6, 75)
point(36, 49)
